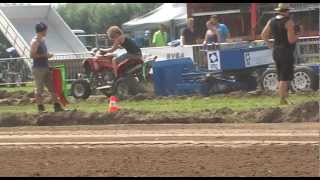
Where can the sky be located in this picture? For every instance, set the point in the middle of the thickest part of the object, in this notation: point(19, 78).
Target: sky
point(54, 4)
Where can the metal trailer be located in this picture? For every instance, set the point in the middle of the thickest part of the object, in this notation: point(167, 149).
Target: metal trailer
point(248, 63)
point(17, 23)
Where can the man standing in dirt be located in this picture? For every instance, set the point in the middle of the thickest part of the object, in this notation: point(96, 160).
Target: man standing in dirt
point(282, 28)
point(40, 70)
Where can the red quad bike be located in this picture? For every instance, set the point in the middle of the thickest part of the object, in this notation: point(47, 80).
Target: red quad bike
point(99, 75)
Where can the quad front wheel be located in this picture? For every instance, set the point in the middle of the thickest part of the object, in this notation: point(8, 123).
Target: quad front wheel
point(80, 89)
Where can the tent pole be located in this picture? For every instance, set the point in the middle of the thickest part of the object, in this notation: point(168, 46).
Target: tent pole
point(172, 30)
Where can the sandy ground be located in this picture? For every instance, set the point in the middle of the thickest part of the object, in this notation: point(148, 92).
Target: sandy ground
point(282, 149)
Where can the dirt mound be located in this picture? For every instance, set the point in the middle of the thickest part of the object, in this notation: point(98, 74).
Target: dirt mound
point(271, 115)
point(20, 98)
point(17, 119)
point(4, 94)
point(305, 112)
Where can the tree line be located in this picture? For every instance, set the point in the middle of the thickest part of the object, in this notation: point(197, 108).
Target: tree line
point(96, 17)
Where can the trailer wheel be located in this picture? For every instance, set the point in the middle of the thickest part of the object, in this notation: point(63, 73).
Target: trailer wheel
point(270, 80)
point(304, 79)
point(80, 89)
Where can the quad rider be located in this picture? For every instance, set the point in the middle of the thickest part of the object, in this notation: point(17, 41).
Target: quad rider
point(116, 35)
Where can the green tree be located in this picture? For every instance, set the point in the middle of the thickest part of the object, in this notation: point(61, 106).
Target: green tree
point(96, 17)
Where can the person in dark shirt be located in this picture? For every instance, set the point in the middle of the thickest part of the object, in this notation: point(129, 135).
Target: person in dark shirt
point(188, 36)
point(282, 28)
point(116, 35)
point(40, 70)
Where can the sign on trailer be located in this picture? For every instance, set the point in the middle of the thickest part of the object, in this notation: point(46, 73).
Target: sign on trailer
point(257, 58)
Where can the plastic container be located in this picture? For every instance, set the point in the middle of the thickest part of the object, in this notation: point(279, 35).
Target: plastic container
point(167, 74)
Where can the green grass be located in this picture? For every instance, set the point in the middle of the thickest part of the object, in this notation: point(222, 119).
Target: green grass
point(195, 104)
point(192, 104)
point(29, 88)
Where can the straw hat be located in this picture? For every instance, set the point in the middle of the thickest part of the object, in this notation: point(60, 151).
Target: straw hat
point(283, 6)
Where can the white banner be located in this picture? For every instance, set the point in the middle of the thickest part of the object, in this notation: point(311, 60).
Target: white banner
point(165, 52)
point(257, 58)
point(168, 52)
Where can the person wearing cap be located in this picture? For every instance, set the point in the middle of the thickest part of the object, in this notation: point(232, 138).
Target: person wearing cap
point(222, 30)
point(40, 70)
point(282, 29)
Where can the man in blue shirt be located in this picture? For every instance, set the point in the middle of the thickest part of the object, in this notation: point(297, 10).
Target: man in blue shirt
point(223, 31)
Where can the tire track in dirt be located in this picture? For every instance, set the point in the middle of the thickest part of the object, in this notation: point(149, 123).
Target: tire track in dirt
point(164, 135)
point(162, 150)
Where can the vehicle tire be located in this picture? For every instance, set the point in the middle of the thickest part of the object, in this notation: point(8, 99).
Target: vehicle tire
point(126, 87)
point(304, 79)
point(80, 89)
point(270, 80)
point(122, 89)
point(247, 83)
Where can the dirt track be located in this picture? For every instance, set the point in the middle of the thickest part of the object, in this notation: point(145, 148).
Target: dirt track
point(284, 149)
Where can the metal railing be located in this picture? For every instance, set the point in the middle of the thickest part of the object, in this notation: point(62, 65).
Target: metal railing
point(94, 40)
point(67, 56)
point(72, 63)
point(14, 71)
point(18, 70)
point(307, 50)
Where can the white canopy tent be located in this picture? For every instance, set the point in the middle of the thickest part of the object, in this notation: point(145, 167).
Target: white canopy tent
point(171, 14)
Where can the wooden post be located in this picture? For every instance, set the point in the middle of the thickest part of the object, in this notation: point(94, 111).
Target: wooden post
point(253, 11)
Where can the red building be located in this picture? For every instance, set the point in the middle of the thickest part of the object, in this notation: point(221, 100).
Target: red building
point(246, 20)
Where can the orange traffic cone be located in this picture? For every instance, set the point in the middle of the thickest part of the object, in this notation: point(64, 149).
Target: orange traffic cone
point(112, 104)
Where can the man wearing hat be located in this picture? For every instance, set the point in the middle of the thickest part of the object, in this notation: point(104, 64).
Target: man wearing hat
point(40, 70)
point(282, 29)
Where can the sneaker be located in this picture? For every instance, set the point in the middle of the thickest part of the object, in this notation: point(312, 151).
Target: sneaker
point(57, 107)
point(283, 102)
point(41, 108)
